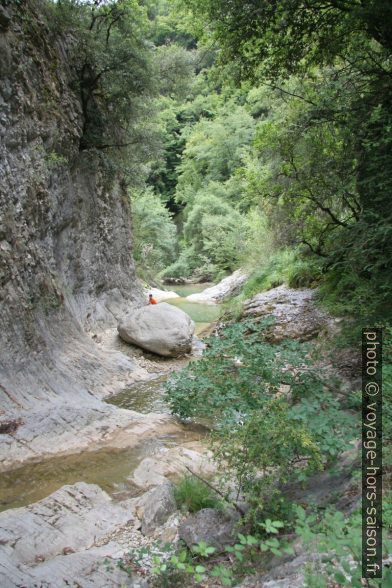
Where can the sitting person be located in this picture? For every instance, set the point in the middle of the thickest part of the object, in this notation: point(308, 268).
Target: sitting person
point(151, 299)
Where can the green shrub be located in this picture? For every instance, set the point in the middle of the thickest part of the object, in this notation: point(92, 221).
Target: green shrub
point(186, 265)
point(304, 273)
point(236, 387)
point(192, 494)
point(339, 543)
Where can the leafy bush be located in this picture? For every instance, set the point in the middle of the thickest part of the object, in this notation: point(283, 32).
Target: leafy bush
point(338, 540)
point(263, 437)
point(192, 494)
point(179, 268)
point(191, 264)
point(304, 273)
point(264, 452)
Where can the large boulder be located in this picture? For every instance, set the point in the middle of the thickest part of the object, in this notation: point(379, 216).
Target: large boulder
point(295, 313)
point(160, 328)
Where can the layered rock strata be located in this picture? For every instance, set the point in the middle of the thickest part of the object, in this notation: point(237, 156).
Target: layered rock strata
point(65, 247)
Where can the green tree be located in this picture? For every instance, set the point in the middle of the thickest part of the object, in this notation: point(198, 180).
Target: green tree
point(326, 156)
point(214, 150)
point(154, 234)
point(214, 229)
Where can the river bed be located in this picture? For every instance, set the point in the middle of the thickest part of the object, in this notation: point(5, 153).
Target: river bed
point(108, 467)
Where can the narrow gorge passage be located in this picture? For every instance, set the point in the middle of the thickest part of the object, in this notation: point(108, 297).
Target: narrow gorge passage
point(195, 239)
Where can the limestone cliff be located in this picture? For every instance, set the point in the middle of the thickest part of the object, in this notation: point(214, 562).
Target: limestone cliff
point(65, 244)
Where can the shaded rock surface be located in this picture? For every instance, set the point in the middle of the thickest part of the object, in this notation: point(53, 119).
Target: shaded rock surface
point(160, 328)
point(286, 575)
point(295, 313)
point(214, 527)
point(65, 538)
point(156, 506)
point(65, 260)
point(226, 287)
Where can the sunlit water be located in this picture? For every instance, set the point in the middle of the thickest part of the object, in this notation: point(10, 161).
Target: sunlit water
point(202, 314)
point(109, 468)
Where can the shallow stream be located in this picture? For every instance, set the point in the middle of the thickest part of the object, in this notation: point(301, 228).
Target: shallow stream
point(109, 468)
point(202, 314)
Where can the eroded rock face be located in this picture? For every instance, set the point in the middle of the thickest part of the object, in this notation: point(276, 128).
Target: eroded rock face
point(65, 538)
point(171, 464)
point(295, 313)
point(226, 288)
point(160, 328)
point(65, 234)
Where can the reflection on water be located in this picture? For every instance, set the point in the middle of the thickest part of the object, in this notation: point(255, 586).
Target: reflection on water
point(33, 482)
point(202, 314)
point(109, 468)
point(142, 397)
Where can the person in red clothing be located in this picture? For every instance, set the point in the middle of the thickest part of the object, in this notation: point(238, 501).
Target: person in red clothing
point(151, 299)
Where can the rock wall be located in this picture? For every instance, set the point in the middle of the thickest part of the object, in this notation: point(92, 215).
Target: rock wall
point(65, 241)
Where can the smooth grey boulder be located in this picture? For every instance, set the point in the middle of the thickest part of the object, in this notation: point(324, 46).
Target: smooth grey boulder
point(160, 328)
point(215, 527)
point(157, 505)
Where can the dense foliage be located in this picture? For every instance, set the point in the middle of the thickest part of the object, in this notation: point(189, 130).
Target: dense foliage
point(253, 134)
point(276, 421)
point(321, 161)
point(154, 234)
point(263, 402)
point(264, 119)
